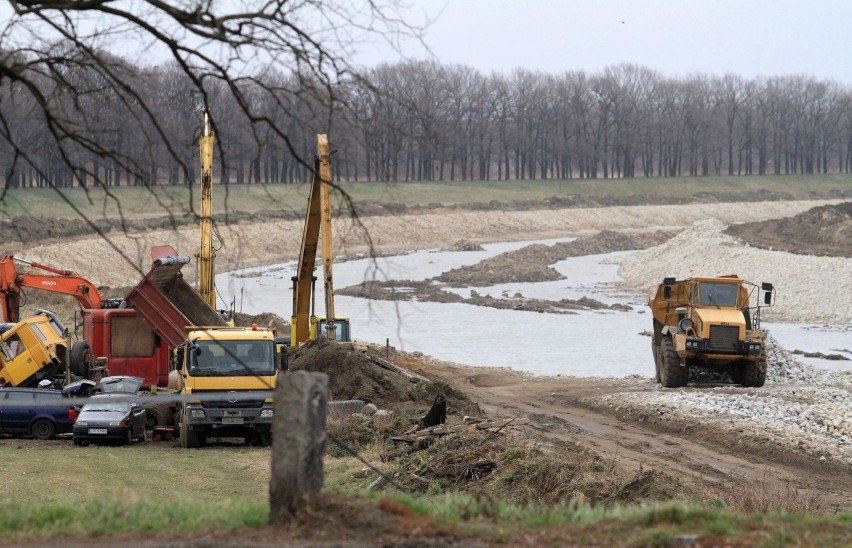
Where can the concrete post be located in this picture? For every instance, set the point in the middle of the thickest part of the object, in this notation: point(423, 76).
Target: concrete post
point(298, 443)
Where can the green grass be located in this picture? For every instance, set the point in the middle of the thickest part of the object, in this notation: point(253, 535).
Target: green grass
point(62, 473)
point(140, 202)
point(109, 515)
point(55, 490)
point(642, 525)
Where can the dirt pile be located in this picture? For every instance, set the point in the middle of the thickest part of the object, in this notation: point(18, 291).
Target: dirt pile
point(470, 452)
point(825, 230)
point(359, 372)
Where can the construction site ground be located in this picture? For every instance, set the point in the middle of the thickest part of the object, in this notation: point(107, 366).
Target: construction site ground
point(672, 453)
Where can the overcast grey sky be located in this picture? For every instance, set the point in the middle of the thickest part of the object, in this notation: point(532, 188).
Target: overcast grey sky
point(676, 37)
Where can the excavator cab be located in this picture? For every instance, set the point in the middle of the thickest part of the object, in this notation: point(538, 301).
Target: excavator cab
point(342, 331)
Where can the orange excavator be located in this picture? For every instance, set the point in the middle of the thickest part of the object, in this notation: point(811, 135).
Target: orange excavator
point(57, 281)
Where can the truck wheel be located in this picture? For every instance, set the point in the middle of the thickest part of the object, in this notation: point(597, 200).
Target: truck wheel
point(81, 358)
point(736, 371)
point(754, 373)
point(265, 438)
point(672, 374)
point(656, 351)
point(188, 438)
point(159, 414)
point(43, 429)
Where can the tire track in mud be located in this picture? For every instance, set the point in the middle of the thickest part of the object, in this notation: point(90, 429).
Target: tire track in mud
point(553, 406)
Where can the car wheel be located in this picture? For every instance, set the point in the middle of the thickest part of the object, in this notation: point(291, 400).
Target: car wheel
point(129, 438)
point(43, 429)
point(78, 442)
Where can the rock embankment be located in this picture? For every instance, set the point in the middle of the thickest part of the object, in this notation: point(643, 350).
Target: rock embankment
point(810, 289)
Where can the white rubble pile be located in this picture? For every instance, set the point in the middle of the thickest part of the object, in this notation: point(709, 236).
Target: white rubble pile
point(809, 288)
point(800, 406)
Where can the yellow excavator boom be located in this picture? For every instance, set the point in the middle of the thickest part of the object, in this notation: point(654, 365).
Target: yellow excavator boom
point(206, 255)
point(303, 281)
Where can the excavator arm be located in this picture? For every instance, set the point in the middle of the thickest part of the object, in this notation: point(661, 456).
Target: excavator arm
point(206, 254)
point(318, 217)
point(58, 281)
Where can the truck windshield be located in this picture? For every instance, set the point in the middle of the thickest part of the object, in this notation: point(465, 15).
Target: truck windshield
point(711, 294)
point(232, 358)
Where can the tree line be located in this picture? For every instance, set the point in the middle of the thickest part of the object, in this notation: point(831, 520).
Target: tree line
point(411, 121)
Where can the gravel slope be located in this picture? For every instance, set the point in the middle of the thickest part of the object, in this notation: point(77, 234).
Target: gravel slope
point(121, 259)
point(810, 289)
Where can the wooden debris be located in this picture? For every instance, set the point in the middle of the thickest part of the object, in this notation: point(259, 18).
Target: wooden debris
point(467, 470)
point(411, 375)
point(437, 414)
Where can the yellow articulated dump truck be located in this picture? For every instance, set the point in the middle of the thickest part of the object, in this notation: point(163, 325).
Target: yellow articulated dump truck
point(709, 323)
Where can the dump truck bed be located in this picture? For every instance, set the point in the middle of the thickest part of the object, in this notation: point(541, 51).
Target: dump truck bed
point(168, 303)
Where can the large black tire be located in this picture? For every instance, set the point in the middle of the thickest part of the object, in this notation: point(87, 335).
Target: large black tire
point(43, 429)
point(81, 359)
point(656, 351)
point(188, 438)
point(754, 373)
point(129, 439)
point(78, 442)
point(672, 374)
point(159, 414)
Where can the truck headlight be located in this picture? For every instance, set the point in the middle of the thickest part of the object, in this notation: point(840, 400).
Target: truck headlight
point(266, 414)
point(197, 413)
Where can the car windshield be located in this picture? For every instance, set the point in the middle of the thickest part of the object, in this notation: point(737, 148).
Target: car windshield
point(713, 294)
point(232, 358)
point(104, 406)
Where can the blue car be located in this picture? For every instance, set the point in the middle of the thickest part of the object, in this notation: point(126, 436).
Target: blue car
point(38, 412)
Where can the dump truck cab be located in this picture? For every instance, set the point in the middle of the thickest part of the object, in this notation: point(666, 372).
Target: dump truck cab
point(227, 376)
point(710, 323)
point(33, 349)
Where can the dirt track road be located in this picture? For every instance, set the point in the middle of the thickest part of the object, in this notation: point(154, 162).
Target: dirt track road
point(560, 407)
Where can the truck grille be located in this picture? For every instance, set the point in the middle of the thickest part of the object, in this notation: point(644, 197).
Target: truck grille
point(237, 399)
point(723, 338)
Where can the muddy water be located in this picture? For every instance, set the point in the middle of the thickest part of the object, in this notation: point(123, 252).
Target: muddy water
point(589, 343)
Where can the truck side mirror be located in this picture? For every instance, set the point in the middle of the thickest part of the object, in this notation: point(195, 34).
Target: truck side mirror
point(767, 298)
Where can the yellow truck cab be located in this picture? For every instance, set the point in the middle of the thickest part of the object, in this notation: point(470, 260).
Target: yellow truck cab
point(32, 350)
point(227, 376)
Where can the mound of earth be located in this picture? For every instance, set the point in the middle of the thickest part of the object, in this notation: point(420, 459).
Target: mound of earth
point(825, 230)
point(532, 263)
point(264, 319)
point(357, 372)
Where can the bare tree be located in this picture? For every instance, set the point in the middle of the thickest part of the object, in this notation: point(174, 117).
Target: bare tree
point(86, 107)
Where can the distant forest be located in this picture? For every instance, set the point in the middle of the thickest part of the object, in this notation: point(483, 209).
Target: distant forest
point(425, 121)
